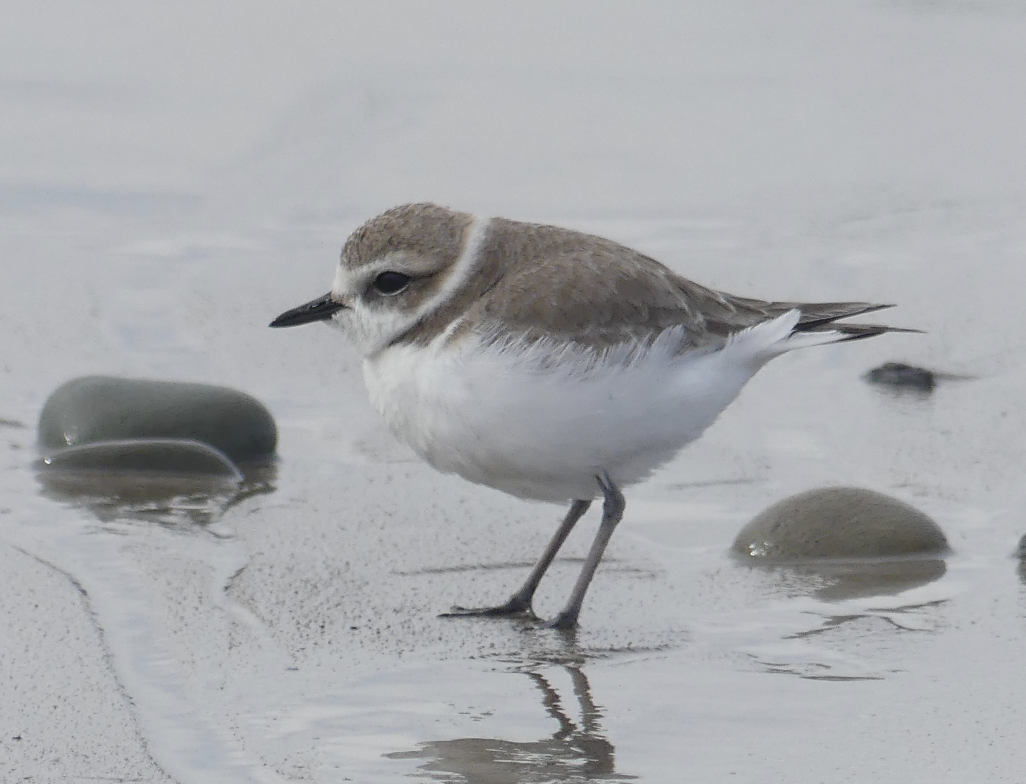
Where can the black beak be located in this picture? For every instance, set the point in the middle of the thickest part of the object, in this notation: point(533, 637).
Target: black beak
point(320, 309)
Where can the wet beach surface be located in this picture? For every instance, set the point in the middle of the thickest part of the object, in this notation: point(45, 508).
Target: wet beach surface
point(164, 201)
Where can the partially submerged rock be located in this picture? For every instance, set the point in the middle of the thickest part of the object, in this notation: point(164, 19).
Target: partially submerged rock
point(162, 451)
point(840, 543)
point(839, 523)
point(106, 408)
point(902, 376)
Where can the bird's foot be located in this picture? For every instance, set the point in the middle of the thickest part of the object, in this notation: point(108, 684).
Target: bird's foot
point(563, 621)
point(515, 606)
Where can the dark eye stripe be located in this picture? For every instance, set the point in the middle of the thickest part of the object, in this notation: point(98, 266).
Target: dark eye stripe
point(391, 282)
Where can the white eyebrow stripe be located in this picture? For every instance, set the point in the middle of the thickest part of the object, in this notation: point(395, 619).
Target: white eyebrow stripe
point(354, 284)
point(466, 264)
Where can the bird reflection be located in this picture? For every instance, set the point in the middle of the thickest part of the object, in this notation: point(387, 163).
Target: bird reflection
point(578, 751)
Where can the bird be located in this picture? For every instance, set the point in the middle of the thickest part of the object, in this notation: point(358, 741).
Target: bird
point(547, 363)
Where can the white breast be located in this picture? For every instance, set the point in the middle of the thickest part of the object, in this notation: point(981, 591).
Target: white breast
point(540, 421)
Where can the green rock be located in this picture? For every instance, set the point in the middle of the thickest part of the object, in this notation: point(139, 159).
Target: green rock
point(839, 522)
point(104, 408)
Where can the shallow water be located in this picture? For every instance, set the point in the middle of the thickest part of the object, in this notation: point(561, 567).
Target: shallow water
point(163, 201)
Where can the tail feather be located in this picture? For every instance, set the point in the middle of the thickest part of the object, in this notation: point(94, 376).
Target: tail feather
point(798, 325)
point(818, 314)
point(859, 331)
point(824, 317)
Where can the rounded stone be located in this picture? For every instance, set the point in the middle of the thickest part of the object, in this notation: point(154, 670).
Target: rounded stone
point(104, 408)
point(839, 522)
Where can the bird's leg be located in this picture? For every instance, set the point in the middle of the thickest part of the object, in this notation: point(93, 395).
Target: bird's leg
point(612, 511)
point(520, 602)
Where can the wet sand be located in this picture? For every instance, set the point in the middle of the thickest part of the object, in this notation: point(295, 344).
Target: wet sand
point(161, 217)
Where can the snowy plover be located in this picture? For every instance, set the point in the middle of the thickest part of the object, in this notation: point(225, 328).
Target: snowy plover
point(546, 363)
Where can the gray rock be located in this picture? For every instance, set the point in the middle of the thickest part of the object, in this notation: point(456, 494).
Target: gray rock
point(105, 408)
point(841, 523)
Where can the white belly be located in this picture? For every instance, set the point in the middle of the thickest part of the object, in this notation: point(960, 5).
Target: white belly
point(540, 421)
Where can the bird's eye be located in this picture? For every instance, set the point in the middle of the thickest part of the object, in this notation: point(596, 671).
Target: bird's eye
point(391, 282)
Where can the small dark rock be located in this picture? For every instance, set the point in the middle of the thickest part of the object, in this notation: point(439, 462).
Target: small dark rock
point(839, 523)
point(1021, 554)
point(105, 408)
point(898, 374)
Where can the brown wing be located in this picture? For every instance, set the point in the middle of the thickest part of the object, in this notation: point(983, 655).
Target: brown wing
point(596, 292)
